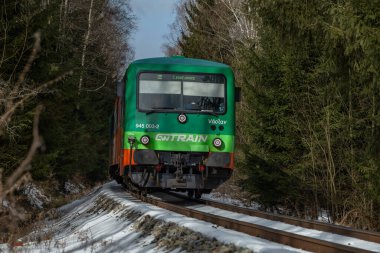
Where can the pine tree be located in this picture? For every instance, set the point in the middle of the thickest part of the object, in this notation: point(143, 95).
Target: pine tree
point(206, 34)
point(314, 88)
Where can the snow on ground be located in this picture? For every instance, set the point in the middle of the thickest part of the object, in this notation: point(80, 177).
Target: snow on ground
point(334, 238)
point(226, 199)
point(110, 220)
point(73, 188)
point(35, 196)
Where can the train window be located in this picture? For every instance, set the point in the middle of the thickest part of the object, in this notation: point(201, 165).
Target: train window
point(181, 92)
point(203, 96)
point(156, 95)
point(160, 87)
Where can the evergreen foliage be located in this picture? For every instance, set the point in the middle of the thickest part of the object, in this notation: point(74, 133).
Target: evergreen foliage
point(321, 68)
point(75, 121)
point(203, 37)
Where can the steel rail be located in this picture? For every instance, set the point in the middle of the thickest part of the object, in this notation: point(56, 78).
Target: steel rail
point(325, 227)
point(279, 236)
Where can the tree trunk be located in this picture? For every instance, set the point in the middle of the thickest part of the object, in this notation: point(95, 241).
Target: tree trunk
point(85, 44)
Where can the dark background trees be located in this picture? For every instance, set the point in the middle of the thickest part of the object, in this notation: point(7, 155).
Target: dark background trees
point(59, 62)
point(309, 121)
point(82, 50)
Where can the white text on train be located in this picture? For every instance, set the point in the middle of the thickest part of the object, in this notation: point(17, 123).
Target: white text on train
point(181, 137)
point(217, 121)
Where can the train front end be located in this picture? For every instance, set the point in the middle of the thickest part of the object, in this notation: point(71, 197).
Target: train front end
point(179, 124)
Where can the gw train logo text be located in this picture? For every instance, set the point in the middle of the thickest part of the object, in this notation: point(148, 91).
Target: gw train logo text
point(181, 137)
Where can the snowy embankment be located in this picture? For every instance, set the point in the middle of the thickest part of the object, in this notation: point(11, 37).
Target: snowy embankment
point(110, 220)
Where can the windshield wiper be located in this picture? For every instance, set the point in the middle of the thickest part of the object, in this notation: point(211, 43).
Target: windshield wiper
point(211, 112)
point(163, 107)
point(157, 109)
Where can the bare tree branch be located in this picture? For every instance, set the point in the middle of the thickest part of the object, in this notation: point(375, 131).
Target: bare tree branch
point(36, 48)
point(7, 115)
point(17, 175)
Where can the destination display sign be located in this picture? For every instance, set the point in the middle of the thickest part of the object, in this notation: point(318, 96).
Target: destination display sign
point(203, 78)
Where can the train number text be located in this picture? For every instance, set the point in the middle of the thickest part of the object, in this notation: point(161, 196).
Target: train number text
point(147, 126)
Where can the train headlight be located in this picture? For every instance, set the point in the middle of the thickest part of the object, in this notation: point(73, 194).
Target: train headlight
point(182, 118)
point(145, 139)
point(217, 142)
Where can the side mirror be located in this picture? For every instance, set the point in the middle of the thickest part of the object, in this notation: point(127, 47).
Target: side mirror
point(237, 94)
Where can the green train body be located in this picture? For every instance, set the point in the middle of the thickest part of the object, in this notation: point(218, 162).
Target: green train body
point(173, 125)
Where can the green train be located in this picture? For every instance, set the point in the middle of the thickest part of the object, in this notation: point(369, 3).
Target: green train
point(173, 125)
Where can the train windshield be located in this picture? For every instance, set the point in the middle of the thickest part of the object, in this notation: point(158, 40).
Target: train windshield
point(182, 92)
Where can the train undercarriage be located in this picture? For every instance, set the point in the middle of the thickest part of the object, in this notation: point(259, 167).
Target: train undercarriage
point(177, 171)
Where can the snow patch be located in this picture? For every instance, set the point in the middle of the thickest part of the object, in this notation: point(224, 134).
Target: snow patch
point(103, 223)
point(226, 199)
point(35, 196)
point(5, 203)
point(72, 188)
point(110, 220)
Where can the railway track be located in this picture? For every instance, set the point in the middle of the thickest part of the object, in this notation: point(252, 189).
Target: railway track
point(326, 227)
point(185, 206)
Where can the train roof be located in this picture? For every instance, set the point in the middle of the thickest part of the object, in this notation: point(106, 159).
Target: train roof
point(179, 60)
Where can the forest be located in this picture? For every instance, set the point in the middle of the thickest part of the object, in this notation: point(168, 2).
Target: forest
point(59, 61)
point(308, 123)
